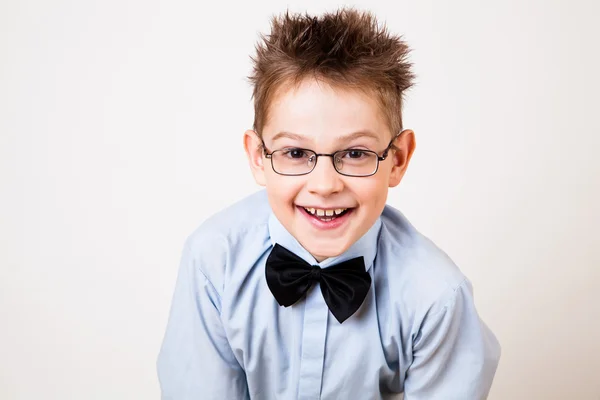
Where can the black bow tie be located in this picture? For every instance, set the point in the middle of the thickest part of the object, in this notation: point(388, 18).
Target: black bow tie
point(344, 286)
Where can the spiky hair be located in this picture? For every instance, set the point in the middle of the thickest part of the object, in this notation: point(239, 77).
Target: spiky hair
point(346, 49)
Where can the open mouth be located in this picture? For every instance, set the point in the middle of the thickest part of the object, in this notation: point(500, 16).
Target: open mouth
point(326, 215)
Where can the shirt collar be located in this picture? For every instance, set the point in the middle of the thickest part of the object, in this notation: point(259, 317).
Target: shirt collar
point(366, 246)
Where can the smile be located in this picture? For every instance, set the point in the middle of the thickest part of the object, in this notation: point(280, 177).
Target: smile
point(326, 218)
point(326, 214)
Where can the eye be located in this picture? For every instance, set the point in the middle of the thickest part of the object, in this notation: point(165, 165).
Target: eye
point(294, 153)
point(356, 154)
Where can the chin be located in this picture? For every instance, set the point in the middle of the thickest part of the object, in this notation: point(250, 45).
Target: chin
point(321, 250)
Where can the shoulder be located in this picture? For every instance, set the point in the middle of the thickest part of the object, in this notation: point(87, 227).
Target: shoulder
point(246, 213)
point(421, 277)
point(225, 234)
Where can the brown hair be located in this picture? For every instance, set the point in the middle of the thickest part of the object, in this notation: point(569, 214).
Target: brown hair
point(346, 49)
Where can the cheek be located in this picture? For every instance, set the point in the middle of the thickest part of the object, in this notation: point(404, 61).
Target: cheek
point(370, 191)
point(283, 189)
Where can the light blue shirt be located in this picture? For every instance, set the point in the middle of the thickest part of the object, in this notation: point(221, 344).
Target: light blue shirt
point(417, 331)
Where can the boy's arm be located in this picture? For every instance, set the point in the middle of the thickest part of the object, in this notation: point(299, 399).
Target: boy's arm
point(455, 355)
point(195, 360)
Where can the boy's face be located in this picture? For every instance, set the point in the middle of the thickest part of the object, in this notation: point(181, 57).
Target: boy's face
point(318, 117)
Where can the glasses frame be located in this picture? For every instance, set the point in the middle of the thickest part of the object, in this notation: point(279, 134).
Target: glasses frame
point(381, 157)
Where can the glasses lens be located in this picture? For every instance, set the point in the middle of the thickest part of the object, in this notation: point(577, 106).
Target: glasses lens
point(293, 161)
point(356, 162)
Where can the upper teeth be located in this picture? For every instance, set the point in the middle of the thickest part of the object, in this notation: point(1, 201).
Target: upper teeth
point(329, 213)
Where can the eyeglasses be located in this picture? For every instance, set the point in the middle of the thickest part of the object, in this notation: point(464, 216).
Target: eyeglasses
point(294, 161)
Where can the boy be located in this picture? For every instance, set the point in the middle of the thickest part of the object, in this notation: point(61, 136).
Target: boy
point(315, 288)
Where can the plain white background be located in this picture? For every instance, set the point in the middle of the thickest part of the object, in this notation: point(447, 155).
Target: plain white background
point(120, 131)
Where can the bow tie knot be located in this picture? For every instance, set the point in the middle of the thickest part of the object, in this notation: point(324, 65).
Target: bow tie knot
point(344, 286)
point(315, 273)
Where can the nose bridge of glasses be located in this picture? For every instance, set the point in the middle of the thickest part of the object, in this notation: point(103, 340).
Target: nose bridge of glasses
point(336, 159)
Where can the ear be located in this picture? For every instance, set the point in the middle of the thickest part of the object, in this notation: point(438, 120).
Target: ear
point(405, 146)
point(254, 151)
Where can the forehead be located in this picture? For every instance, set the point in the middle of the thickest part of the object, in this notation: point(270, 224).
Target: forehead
point(322, 113)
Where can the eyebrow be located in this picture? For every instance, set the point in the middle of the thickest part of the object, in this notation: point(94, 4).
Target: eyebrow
point(358, 134)
point(289, 135)
point(343, 138)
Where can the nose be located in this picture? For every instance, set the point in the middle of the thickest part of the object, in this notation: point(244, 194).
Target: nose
point(324, 180)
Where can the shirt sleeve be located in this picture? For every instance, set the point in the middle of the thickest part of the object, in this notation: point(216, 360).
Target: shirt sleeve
point(195, 360)
point(455, 355)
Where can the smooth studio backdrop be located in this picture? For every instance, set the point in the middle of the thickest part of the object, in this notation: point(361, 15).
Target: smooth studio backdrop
point(121, 130)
